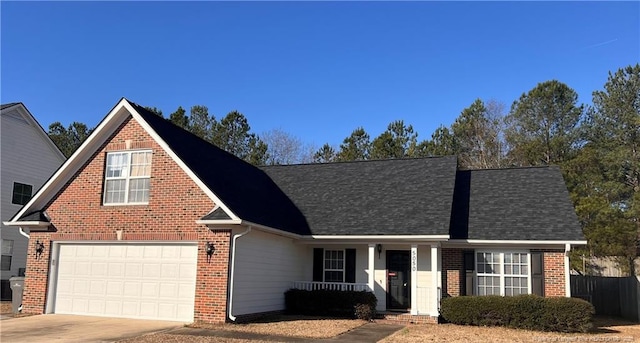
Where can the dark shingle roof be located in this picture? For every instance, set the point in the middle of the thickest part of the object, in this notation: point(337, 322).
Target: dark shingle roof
point(245, 189)
point(385, 197)
point(11, 104)
point(513, 204)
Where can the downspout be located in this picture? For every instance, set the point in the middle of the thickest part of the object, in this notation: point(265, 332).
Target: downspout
point(23, 233)
point(567, 276)
point(233, 267)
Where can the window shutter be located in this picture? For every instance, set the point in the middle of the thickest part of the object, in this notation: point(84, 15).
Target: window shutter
point(537, 273)
point(469, 263)
point(350, 266)
point(318, 261)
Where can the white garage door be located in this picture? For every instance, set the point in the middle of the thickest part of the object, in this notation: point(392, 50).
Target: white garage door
point(145, 281)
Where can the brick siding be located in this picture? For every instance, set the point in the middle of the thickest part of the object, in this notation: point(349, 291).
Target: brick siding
point(553, 261)
point(175, 203)
point(452, 273)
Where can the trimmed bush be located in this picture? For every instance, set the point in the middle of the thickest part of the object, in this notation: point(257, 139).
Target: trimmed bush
point(345, 304)
point(530, 312)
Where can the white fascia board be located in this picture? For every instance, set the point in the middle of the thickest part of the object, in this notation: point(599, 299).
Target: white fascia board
point(106, 127)
point(215, 222)
point(177, 159)
point(413, 238)
point(28, 224)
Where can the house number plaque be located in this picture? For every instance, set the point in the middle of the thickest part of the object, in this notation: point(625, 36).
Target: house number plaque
point(414, 261)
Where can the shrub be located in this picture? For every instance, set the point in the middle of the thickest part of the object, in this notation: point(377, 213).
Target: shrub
point(364, 312)
point(522, 312)
point(330, 303)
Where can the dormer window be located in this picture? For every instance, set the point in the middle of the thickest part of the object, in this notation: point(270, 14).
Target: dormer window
point(127, 175)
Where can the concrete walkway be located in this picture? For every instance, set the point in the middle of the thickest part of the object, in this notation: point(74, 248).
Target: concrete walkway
point(368, 333)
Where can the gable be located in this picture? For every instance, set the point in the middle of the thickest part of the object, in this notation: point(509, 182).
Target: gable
point(78, 206)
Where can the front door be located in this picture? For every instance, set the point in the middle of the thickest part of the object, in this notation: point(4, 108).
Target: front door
point(398, 279)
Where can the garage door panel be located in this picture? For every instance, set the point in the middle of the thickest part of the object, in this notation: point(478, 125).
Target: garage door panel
point(188, 253)
point(169, 270)
point(98, 287)
point(151, 270)
point(127, 280)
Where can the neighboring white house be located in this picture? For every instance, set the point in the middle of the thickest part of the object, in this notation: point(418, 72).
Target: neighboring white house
point(28, 159)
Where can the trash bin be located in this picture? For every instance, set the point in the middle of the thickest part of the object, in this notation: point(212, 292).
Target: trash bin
point(17, 286)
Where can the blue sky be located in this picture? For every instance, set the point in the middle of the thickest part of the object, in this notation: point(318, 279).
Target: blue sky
point(317, 70)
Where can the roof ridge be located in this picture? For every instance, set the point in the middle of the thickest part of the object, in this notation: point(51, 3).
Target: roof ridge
point(360, 161)
point(511, 168)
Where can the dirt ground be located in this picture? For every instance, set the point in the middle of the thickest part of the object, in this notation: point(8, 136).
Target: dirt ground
point(606, 330)
point(292, 326)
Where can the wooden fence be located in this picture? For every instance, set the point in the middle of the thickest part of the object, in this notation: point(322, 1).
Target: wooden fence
point(611, 296)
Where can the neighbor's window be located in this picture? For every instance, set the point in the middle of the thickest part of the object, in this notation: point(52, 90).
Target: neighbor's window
point(127, 176)
point(502, 273)
point(334, 266)
point(7, 253)
point(21, 193)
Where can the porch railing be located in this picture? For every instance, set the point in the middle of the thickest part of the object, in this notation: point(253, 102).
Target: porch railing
point(332, 286)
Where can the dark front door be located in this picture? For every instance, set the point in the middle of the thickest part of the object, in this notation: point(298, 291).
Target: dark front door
point(398, 279)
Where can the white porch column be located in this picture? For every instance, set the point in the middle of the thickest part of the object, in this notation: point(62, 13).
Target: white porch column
point(567, 270)
point(414, 279)
point(434, 280)
point(370, 282)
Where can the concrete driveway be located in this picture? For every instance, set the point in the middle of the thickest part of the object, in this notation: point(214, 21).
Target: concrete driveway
point(70, 328)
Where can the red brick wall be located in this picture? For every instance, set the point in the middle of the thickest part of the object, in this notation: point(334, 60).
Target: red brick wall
point(452, 260)
point(175, 203)
point(553, 262)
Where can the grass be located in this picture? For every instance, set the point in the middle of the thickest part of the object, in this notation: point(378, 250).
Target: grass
point(606, 330)
point(291, 326)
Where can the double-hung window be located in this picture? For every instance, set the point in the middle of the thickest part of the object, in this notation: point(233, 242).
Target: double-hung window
point(7, 254)
point(127, 176)
point(502, 273)
point(334, 266)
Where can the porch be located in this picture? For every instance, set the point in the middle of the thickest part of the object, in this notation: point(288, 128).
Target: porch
point(404, 277)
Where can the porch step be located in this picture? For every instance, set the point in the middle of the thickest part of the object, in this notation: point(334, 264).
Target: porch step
point(406, 318)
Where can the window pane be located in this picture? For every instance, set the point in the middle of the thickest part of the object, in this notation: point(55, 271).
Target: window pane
point(116, 165)
point(7, 247)
point(5, 263)
point(141, 163)
point(333, 276)
point(21, 193)
point(139, 190)
point(507, 258)
point(115, 192)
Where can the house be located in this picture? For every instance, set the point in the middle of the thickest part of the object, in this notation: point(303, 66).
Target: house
point(146, 220)
point(28, 159)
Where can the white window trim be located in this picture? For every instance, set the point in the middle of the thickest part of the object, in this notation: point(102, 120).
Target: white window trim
point(502, 275)
point(127, 178)
point(344, 265)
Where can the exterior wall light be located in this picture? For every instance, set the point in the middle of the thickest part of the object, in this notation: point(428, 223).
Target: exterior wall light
point(379, 249)
point(209, 249)
point(39, 249)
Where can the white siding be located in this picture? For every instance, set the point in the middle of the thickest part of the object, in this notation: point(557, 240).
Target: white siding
point(26, 157)
point(266, 265)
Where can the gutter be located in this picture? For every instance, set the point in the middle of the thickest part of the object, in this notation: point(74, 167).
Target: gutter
point(233, 267)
